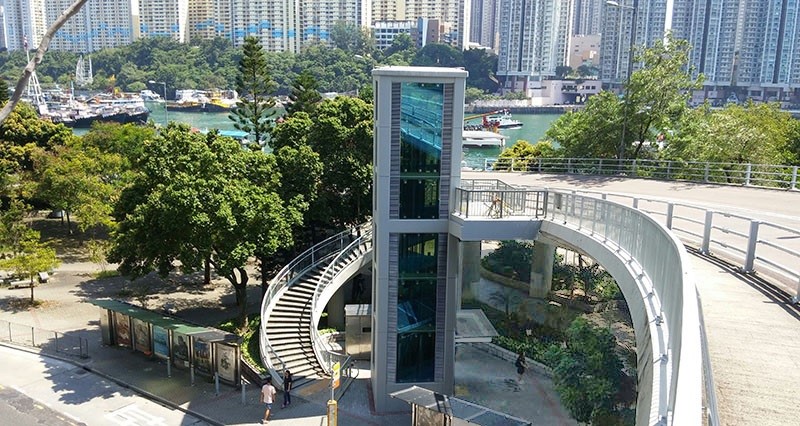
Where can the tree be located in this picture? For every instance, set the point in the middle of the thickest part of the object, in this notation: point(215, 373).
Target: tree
point(438, 55)
point(78, 179)
point(587, 372)
point(32, 257)
point(524, 153)
point(657, 95)
point(203, 198)
point(749, 133)
point(304, 96)
point(562, 71)
point(256, 104)
point(482, 67)
point(342, 136)
point(352, 39)
point(593, 132)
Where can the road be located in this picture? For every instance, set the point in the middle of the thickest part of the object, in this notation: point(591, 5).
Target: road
point(36, 390)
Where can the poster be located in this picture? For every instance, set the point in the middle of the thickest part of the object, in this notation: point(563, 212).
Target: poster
point(180, 350)
point(202, 356)
point(122, 329)
point(226, 362)
point(160, 342)
point(141, 336)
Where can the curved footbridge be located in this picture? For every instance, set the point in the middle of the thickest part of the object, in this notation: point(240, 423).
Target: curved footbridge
point(640, 239)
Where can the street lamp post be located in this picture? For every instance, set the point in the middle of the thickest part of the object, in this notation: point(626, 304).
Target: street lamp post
point(634, 8)
point(164, 84)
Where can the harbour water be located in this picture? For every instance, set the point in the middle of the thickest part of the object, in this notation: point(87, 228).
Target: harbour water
point(533, 128)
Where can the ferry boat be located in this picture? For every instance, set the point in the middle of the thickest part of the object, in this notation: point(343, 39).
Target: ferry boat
point(204, 101)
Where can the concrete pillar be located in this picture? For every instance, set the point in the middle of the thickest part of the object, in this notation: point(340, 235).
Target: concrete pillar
point(470, 267)
point(542, 269)
point(336, 310)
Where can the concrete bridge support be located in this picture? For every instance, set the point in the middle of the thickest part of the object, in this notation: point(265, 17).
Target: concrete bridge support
point(470, 267)
point(542, 269)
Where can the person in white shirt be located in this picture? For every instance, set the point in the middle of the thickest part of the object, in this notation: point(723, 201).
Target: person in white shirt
point(267, 397)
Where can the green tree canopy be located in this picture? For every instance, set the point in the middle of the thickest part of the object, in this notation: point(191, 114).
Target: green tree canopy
point(202, 197)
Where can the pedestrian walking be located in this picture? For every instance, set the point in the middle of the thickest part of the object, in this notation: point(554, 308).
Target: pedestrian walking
point(521, 363)
point(267, 397)
point(287, 388)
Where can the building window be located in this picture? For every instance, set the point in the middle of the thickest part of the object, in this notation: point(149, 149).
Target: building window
point(416, 308)
point(421, 115)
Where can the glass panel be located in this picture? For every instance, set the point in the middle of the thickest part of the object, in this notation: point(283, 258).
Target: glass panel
point(416, 308)
point(421, 114)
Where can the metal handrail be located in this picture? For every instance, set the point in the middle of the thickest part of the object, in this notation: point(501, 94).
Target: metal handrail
point(747, 174)
point(364, 233)
point(287, 276)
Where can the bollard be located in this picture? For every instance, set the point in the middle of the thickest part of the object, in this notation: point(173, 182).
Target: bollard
point(216, 383)
point(244, 393)
point(169, 367)
point(191, 373)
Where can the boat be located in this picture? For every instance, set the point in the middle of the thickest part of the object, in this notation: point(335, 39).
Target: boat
point(204, 101)
point(84, 75)
point(501, 121)
point(124, 108)
point(482, 138)
point(150, 96)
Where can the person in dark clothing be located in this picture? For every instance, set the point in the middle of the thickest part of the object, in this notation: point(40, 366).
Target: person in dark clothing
point(521, 363)
point(287, 388)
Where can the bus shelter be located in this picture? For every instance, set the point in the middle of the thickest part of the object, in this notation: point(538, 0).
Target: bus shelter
point(205, 350)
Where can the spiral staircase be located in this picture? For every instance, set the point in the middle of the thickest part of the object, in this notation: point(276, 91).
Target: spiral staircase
point(293, 305)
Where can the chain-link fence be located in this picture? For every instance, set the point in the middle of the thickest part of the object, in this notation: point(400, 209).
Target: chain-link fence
point(47, 341)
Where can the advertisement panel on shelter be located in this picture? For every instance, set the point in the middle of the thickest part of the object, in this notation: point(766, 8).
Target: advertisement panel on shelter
point(202, 356)
point(141, 336)
point(180, 350)
point(226, 362)
point(122, 329)
point(160, 342)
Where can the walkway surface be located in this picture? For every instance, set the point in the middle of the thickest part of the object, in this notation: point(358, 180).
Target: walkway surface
point(754, 342)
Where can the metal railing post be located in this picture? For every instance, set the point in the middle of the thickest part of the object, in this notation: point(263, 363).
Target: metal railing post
point(747, 173)
point(635, 203)
point(704, 248)
point(794, 178)
point(706, 173)
point(670, 212)
point(669, 168)
point(752, 242)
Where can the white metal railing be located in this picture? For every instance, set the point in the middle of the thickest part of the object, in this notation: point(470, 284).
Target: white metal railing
point(658, 261)
point(288, 275)
point(362, 239)
point(770, 249)
point(747, 174)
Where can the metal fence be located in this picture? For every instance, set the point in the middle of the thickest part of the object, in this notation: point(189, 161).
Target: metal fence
point(47, 341)
point(748, 174)
point(772, 250)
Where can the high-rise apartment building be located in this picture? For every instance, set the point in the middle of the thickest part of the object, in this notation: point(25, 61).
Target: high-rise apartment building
point(24, 23)
point(586, 15)
point(485, 23)
point(534, 40)
point(208, 19)
point(164, 18)
point(98, 25)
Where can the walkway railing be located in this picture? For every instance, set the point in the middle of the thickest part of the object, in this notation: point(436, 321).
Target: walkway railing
point(47, 341)
point(748, 174)
point(771, 250)
point(321, 351)
point(497, 201)
point(294, 270)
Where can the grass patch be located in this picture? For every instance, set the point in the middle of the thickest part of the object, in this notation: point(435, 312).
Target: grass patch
point(109, 273)
point(251, 351)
